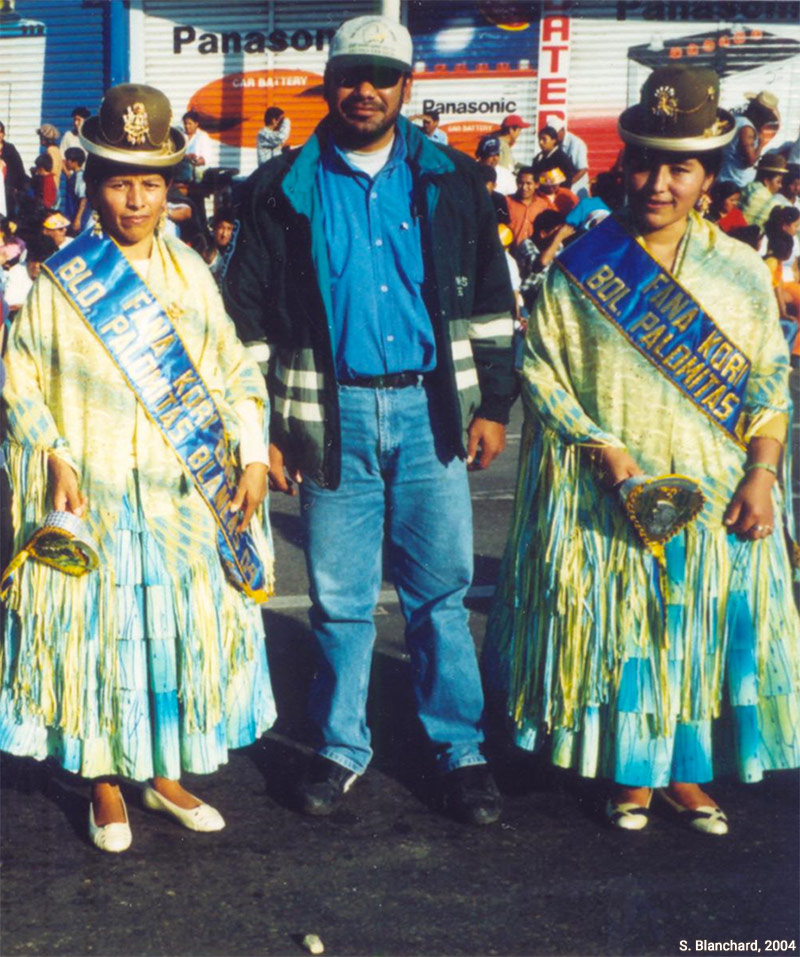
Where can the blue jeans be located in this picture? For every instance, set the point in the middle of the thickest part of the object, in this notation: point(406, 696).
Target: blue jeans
point(392, 479)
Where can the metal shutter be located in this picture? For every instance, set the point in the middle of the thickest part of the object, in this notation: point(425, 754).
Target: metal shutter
point(197, 53)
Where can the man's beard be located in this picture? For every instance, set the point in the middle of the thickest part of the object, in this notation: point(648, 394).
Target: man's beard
point(354, 137)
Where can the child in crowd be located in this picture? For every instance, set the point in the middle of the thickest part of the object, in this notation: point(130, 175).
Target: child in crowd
point(45, 188)
point(76, 205)
point(21, 276)
point(55, 226)
point(48, 141)
point(222, 229)
point(781, 259)
point(11, 246)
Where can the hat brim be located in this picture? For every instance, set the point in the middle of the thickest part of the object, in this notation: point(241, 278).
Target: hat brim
point(632, 118)
point(771, 169)
point(347, 60)
point(151, 159)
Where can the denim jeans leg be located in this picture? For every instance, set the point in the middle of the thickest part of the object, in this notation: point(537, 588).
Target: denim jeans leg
point(343, 540)
point(430, 530)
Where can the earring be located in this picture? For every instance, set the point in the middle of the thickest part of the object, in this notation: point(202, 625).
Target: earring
point(162, 221)
point(97, 226)
point(703, 204)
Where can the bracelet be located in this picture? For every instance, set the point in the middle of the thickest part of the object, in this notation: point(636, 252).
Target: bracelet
point(761, 465)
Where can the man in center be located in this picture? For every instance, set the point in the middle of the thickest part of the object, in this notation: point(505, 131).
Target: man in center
point(369, 261)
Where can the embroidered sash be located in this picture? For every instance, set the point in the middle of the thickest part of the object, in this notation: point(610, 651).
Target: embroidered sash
point(139, 336)
point(660, 319)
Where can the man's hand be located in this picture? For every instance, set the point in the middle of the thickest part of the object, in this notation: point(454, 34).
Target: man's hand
point(487, 437)
point(64, 486)
point(250, 492)
point(282, 475)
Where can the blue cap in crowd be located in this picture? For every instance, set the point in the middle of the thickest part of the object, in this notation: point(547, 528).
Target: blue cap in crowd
point(490, 146)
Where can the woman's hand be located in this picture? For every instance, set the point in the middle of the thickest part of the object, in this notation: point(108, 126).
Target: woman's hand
point(614, 465)
point(750, 511)
point(250, 492)
point(64, 487)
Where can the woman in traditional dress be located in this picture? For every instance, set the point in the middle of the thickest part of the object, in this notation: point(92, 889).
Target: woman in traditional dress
point(654, 348)
point(123, 371)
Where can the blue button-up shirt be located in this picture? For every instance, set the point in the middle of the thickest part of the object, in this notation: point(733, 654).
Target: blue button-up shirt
point(380, 324)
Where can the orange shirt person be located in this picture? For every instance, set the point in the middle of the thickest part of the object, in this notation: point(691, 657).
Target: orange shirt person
point(532, 197)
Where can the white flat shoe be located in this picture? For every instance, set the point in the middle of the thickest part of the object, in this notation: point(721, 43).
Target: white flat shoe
point(200, 818)
point(627, 817)
point(113, 838)
point(707, 819)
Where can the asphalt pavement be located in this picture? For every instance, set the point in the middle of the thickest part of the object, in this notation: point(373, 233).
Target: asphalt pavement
point(388, 874)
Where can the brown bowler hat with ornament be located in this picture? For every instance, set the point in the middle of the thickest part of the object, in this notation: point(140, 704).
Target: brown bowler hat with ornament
point(772, 163)
point(678, 112)
point(133, 127)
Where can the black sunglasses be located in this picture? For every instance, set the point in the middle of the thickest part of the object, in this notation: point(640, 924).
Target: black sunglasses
point(381, 77)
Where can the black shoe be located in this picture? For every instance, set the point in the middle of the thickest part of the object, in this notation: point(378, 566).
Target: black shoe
point(471, 795)
point(324, 785)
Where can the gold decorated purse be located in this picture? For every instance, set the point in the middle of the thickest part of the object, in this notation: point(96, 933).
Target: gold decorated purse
point(61, 541)
point(659, 507)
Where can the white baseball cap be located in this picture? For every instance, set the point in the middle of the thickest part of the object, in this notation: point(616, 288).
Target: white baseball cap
point(371, 39)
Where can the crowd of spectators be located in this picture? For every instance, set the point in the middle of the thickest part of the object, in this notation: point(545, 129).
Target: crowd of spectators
point(546, 204)
point(45, 205)
point(541, 205)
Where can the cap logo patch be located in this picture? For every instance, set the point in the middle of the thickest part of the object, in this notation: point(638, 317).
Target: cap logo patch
point(374, 33)
point(136, 124)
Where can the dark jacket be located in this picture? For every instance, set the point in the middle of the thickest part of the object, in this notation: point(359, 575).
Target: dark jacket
point(277, 289)
point(15, 177)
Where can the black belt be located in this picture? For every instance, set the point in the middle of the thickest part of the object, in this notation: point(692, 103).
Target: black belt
point(397, 380)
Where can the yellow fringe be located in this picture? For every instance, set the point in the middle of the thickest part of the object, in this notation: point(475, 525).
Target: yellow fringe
point(562, 607)
point(55, 683)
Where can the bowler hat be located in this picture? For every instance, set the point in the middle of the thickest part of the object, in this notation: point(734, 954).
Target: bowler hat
point(133, 128)
point(772, 163)
point(678, 112)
